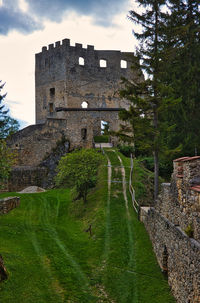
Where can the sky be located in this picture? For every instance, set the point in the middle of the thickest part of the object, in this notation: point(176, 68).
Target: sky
point(27, 25)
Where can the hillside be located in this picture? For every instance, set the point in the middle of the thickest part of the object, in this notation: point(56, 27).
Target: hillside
point(51, 258)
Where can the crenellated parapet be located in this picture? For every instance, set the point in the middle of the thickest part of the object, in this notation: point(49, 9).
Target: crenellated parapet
point(63, 51)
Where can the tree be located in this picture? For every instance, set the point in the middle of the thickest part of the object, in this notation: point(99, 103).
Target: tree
point(182, 72)
point(8, 125)
point(79, 170)
point(7, 159)
point(150, 98)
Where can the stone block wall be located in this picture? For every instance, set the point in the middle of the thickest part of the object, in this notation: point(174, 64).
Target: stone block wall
point(177, 254)
point(34, 142)
point(180, 200)
point(176, 211)
point(24, 176)
point(7, 204)
point(61, 81)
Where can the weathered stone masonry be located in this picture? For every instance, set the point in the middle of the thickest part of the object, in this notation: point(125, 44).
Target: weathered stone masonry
point(66, 77)
point(177, 210)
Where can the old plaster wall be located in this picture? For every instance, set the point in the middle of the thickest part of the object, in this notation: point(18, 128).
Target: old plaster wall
point(178, 208)
point(62, 82)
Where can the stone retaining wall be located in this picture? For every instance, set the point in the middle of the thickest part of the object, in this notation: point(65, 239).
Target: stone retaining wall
point(24, 176)
point(7, 204)
point(177, 254)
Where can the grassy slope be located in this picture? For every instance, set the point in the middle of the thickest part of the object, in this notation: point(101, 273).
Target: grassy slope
point(51, 258)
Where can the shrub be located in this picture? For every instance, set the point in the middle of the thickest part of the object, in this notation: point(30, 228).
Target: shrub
point(78, 170)
point(126, 150)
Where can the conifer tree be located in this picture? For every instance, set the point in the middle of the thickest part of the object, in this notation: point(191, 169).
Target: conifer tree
point(182, 72)
point(149, 98)
point(8, 125)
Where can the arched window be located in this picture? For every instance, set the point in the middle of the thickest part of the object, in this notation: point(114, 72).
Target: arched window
point(103, 63)
point(123, 64)
point(81, 61)
point(84, 104)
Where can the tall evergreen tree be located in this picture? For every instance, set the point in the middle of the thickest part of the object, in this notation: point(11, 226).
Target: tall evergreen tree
point(182, 72)
point(150, 97)
point(8, 125)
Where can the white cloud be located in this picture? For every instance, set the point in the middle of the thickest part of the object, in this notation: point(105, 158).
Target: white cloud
point(23, 5)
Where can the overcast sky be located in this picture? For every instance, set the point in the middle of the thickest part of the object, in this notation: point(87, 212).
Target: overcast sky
point(27, 25)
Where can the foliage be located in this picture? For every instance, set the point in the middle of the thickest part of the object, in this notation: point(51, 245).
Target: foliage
point(126, 150)
point(101, 139)
point(79, 170)
point(182, 73)
point(8, 125)
point(150, 98)
point(7, 159)
point(165, 166)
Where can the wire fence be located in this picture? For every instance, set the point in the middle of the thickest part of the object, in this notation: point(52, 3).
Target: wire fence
point(136, 206)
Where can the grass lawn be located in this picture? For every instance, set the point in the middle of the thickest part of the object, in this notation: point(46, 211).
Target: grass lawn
point(51, 258)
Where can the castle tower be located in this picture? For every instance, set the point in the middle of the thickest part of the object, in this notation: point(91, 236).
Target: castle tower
point(72, 76)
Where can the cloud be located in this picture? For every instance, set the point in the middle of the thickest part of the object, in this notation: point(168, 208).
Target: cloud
point(13, 18)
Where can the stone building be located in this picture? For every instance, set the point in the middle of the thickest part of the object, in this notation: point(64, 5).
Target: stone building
point(76, 91)
point(174, 229)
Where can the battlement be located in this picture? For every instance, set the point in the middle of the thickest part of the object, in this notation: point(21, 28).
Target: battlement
point(63, 44)
point(84, 57)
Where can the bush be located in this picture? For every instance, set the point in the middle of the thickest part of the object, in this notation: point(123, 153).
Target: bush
point(101, 139)
point(78, 170)
point(126, 150)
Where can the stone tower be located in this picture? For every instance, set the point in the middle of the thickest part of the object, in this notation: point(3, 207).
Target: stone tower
point(69, 76)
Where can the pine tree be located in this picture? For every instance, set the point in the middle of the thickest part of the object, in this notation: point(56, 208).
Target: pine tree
point(182, 72)
point(150, 98)
point(8, 125)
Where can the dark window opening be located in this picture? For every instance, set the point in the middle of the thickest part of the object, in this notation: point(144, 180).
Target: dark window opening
point(84, 133)
point(52, 92)
point(51, 108)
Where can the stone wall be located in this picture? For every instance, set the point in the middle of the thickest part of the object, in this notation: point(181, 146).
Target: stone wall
point(34, 142)
point(61, 81)
point(180, 200)
point(7, 204)
point(177, 254)
point(174, 228)
point(24, 176)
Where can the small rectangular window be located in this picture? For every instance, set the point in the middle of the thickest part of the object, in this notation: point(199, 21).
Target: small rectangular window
point(123, 64)
point(84, 133)
point(52, 92)
point(81, 61)
point(103, 63)
point(51, 108)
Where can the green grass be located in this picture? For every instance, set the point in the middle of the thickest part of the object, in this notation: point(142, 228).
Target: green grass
point(50, 257)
